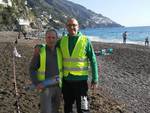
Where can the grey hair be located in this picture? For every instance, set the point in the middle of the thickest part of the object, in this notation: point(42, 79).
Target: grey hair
point(52, 30)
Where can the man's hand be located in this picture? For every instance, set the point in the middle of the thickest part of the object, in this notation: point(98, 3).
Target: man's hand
point(93, 87)
point(40, 87)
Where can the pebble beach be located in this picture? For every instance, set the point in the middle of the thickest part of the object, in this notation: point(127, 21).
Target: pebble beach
point(124, 78)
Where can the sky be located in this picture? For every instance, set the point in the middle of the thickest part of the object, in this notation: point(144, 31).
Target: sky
point(125, 12)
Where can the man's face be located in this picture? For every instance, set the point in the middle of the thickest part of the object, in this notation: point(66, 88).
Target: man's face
point(72, 27)
point(51, 38)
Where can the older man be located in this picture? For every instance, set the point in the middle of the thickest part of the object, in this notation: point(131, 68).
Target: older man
point(45, 68)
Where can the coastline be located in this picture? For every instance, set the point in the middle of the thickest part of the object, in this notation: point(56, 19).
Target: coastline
point(124, 77)
point(96, 39)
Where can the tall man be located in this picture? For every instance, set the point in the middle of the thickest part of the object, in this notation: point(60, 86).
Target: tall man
point(76, 52)
point(45, 67)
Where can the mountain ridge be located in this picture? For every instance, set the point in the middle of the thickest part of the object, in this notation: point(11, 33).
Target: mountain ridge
point(66, 9)
point(50, 13)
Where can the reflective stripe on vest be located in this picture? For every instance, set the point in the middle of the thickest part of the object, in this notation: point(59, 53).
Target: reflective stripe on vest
point(77, 63)
point(75, 59)
point(41, 70)
point(76, 69)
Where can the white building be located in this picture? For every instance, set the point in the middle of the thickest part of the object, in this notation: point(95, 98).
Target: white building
point(6, 3)
point(23, 22)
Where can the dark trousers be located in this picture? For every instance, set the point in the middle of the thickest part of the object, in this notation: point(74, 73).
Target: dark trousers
point(124, 40)
point(75, 91)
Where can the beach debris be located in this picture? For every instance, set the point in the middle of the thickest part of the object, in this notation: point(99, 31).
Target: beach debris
point(15, 53)
point(16, 41)
point(45, 83)
point(104, 52)
point(29, 87)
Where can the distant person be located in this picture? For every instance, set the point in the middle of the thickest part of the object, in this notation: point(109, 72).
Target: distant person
point(45, 67)
point(19, 35)
point(146, 41)
point(24, 34)
point(124, 35)
point(77, 52)
point(63, 34)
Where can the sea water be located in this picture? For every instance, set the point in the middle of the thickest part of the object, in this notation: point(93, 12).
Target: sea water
point(135, 35)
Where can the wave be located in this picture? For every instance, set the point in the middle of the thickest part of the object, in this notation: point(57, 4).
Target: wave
point(100, 39)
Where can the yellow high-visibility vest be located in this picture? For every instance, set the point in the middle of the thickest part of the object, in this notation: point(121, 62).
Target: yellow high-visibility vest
point(77, 63)
point(41, 70)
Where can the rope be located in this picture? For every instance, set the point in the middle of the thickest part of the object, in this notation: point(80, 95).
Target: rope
point(15, 85)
